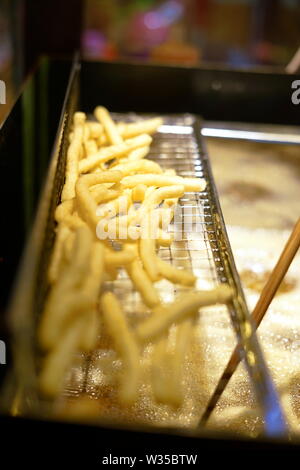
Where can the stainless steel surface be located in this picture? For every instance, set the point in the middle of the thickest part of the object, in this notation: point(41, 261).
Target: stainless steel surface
point(252, 132)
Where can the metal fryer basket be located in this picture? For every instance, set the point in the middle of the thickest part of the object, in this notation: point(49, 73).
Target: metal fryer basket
point(201, 245)
point(207, 251)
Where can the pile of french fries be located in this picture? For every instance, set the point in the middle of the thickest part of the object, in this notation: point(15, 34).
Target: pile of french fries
point(107, 165)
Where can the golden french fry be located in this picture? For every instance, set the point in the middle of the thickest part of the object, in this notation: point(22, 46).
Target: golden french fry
point(149, 190)
point(90, 147)
point(102, 140)
point(86, 205)
point(117, 228)
point(125, 343)
point(163, 316)
point(63, 209)
point(57, 255)
point(138, 166)
point(90, 331)
point(114, 151)
point(101, 194)
point(142, 127)
point(61, 310)
point(134, 129)
point(57, 361)
point(96, 129)
point(73, 221)
point(111, 273)
point(153, 200)
point(73, 156)
point(79, 118)
point(190, 184)
point(109, 126)
point(86, 133)
point(95, 277)
point(82, 300)
point(149, 258)
point(158, 195)
point(170, 202)
point(143, 283)
point(159, 371)
point(120, 205)
point(138, 154)
point(175, 362)
point(138, 193)
point(167, 364)
point(92, 287)
point(118, 258)
point(165, 216)
point(175, 275)
point(163, 238)
point(61, 302)
point(68, 246)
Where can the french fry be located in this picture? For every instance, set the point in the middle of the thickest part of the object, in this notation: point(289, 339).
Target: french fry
point(73, 221)
point(61, 302)
point(165, 216)
point(90, 147)
point(143, 283)
point(130, 130)
point(189, 184)
point(126, 345)
point(86, 133)
point(101, 194)
point(138, 193)
point(113, 151)
point(187, 304)
point(63, 209)
point(163, 238)
point(119, 205)
point(149, 258)
point(138, 166)
point(143, 127)
point(57, 361)
point(167, 364)
point(86, 205)
point(154, 199)
point(109, 126)
point(175, 275)
point(60, 312)
point(73, 156)
point(91, 288)
point(68, 246)
point(57, 316)
point(96, 129)
point(135, 155)
point(79, 118)
point(175, 363)
point(57, 255)
point(159, 371)
point(118, 258)
point(138, 154)
point(90, 331)
point(95, 278)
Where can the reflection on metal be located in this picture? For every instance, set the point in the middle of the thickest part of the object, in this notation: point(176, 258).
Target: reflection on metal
point(2, 352)
point(257, 136)
point(2, 92)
